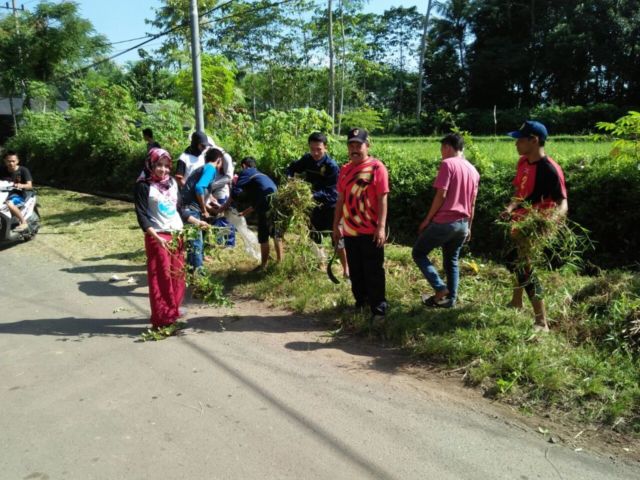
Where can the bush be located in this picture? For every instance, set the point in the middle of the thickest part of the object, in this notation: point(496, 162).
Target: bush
point(603, 197)
point(558, 119)
point(367, 118)
point(96, 146)
point(277, 139)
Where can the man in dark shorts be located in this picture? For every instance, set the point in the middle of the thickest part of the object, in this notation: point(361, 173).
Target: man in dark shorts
point(12, 171)
point(321, 171)
point(539, 184)
point(259, 188)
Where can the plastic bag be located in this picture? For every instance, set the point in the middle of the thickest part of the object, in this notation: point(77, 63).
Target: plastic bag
point(319, 253)
point(250, 240)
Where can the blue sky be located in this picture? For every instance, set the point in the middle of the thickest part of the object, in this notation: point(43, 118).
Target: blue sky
point(124, 19)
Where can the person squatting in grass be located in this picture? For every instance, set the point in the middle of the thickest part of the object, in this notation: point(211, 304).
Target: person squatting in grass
point(157, 205)
point(448, 222)
point(12, 171)
point(539, 182)
point(321, 171)
point(259, 188)
point(361, 207)
point(194, 197)
point(220, 191)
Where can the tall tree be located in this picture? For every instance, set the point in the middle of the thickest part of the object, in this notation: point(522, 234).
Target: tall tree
point(400, 43)
point(173, 16)
point(45, 45)
point(332, 72)
point(423, 50)
point(148, 80)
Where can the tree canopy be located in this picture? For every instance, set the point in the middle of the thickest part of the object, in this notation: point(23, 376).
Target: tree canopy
point(260, 55)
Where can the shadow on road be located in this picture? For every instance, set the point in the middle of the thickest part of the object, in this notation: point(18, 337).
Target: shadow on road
point(101, 288)
point(256, 323)
point(138, 269)
point(80, 328)
point(384, 359)
point(119, 256)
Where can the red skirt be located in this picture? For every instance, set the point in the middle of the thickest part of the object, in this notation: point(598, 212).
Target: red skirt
point(166, 278)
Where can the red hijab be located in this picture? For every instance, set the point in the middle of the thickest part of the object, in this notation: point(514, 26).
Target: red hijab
point(153, 157)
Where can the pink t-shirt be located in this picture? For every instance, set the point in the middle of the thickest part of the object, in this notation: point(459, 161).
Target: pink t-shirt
point(361, 186)
point(460, 179)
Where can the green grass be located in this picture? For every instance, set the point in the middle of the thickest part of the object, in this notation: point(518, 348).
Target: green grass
point(563, 149)
point(86, 227)
point(585, 368)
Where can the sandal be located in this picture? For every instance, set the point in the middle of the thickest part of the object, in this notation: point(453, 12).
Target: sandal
point(432, 302)
point(161, 333)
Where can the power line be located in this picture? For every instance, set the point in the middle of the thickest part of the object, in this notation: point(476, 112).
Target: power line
point(127, 41)
point(150, 39)
point(177, 27)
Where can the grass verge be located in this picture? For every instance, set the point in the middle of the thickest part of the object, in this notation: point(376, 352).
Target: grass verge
point(588, 367)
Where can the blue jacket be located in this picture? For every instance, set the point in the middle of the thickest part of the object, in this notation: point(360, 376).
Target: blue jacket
point(198, 183)
point(256, 185)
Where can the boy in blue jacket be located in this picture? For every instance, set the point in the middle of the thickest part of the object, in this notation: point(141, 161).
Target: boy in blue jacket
point(259, 188)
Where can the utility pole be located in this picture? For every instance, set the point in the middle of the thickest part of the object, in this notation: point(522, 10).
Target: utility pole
point(12, 7)
point(195, 65)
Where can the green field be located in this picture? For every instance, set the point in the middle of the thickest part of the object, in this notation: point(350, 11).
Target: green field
point(564, 149)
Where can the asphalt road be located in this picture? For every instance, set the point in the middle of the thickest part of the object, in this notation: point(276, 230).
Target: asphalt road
point(246, 393)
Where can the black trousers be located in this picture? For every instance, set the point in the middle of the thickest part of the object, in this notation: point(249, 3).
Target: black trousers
point(366, 270)
point(321, 223)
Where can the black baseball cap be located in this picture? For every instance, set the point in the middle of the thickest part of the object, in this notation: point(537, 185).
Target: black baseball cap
point(359, 135)
point(199, 137)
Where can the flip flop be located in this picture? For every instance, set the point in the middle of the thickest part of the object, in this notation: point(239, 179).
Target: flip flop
point(431, 302)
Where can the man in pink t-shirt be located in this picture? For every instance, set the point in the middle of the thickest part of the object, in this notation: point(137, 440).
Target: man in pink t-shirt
point(448, 223)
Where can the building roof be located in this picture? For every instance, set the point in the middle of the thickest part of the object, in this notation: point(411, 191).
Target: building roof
point(34, 104)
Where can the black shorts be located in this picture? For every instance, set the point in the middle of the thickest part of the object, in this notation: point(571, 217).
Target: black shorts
point(266, 228)
point(321, 222)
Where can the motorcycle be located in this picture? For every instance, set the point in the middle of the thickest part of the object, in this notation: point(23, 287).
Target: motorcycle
point(8, 222)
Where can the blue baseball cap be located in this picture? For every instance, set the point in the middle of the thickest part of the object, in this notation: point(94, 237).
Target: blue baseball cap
point(528, 128)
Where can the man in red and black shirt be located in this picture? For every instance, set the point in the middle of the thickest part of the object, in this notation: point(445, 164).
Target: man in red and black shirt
point(363, 187)
point(539, 184)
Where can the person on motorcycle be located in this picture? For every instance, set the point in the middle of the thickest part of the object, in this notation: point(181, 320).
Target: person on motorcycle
point(12, 171)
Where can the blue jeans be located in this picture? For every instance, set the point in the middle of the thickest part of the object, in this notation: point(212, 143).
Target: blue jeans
point(195, 248)
point(449, 236)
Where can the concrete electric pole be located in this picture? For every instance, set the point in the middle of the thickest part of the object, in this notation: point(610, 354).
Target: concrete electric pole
point(195, 65)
